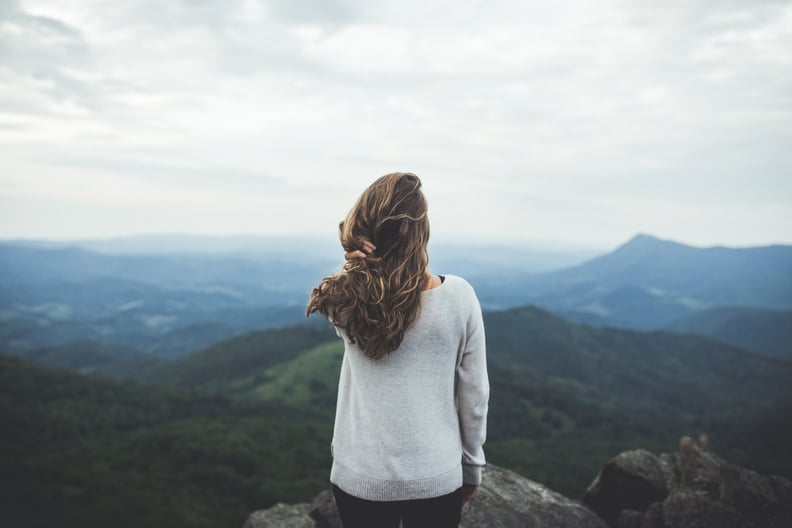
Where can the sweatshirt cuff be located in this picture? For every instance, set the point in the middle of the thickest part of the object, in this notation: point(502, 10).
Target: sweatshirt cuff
point(471, 474)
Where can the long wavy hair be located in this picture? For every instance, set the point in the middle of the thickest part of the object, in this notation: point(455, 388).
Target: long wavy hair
point(375, 299)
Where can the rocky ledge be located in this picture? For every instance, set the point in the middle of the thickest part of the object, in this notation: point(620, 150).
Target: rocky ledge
point(505, 500)
point(691, 488)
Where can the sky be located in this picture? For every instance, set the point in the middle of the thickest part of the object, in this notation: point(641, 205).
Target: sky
point(583, 122)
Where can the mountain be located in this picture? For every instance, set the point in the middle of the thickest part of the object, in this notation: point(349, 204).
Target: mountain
point(171, 294)
point(233, 360)
point(219, 415)
point(170, 328)
point(182, 244)
point(166, 305)
point(611, 384)
point(86, 451)
point(204, 439)
point(555, 384)
point(272, 280)
point(182, 294)
point(648, 282)
point(629, 367)
point(765, 332)
point(92, 357)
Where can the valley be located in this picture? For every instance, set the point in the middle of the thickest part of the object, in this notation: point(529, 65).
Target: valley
point(138, 390)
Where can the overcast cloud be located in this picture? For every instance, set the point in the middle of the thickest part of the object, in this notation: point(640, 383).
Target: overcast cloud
point(578, 121)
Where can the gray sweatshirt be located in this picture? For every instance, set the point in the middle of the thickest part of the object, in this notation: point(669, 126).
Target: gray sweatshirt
point(412, 424)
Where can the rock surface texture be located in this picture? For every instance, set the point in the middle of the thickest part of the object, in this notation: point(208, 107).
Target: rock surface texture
point(505, 500)
point(508, 500)
point(692, 488)
point(281, 516)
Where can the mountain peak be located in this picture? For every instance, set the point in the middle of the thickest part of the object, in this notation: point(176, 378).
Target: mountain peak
point(647, 240)
point(643, 242)
point(643, 238)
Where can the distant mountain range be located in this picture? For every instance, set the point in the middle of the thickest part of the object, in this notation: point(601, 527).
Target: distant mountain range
point(170, 295)
point(648, 282)
point(163, 304)
point(521, 255)
point(164, 296)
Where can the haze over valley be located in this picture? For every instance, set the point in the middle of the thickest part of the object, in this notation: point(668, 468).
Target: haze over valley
point(192, 357)
point(170, 295)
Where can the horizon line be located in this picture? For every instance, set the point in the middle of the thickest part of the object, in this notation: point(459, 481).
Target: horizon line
point(448, 238)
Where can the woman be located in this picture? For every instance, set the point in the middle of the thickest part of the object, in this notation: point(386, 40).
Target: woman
point(413, 391)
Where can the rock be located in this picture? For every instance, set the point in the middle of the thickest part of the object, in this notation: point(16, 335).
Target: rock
point(703, 491)
point(694, 508)
point(630, 519)
point(653, 517)
point(324, 511)
point(508, 500)
point(281, 516)
point(692, 488)
point(505, 500)
point(632, 480)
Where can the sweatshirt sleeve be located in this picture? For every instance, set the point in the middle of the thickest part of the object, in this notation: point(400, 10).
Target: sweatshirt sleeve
point(473, 396)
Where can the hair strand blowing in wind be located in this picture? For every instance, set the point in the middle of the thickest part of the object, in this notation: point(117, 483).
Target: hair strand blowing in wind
point(377, 298)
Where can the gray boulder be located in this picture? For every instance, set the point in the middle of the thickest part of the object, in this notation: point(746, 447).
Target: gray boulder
point(631, 481)
point(509, 500)
point(324, 511)
point(692, 488)
point(281, 516)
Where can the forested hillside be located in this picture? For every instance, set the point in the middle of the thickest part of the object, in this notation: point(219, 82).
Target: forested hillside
point(765, 332)
point(82, 451)
point(205, 439)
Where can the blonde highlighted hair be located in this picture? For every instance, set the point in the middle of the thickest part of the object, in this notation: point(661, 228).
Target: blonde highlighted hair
point(377, 298)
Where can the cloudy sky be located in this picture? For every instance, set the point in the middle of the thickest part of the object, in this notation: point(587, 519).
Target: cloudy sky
point(575, 121)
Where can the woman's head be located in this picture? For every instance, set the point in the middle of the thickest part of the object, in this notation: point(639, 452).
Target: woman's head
point(377, 298)
point(391, 213)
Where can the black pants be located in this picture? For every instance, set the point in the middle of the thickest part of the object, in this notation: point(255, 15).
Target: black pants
point(438, 512)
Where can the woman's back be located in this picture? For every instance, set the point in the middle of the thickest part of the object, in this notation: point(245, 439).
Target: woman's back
point(399, 418)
